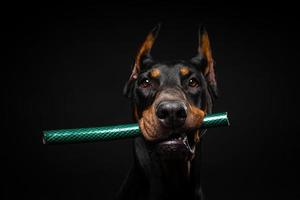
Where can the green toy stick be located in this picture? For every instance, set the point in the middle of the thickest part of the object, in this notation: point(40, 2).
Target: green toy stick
point(94, 134)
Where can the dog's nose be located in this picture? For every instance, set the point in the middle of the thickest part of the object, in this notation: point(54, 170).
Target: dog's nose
point(172, 114)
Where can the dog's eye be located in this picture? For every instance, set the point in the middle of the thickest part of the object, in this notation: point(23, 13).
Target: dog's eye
point(145, 83)
point(193, 82)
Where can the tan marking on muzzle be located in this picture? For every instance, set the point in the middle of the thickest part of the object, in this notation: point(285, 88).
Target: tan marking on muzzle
point(149, 125)
point(194, 118)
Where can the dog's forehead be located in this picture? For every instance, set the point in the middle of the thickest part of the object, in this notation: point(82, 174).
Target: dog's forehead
point(172, 72)
point(171, 69)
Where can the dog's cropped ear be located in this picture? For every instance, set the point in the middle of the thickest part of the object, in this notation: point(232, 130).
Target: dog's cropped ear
point(143, 58)
point(205, 61)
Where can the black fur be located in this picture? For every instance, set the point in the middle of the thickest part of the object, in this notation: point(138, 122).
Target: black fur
point(146, 179)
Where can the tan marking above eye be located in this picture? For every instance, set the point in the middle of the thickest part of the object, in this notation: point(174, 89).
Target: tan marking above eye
point(184, 71)
point(155, 73)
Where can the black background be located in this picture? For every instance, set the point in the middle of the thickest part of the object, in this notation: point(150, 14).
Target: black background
point(65, 67)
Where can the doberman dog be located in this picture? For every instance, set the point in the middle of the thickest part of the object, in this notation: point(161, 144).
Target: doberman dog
point(169, 100)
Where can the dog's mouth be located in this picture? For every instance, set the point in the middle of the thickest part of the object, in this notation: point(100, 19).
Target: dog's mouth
point(171, 128)
point(179, 146)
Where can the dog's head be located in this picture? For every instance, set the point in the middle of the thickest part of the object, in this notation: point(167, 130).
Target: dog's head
point(170, 99)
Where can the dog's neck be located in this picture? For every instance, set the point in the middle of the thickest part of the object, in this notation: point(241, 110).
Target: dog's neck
point(175, 177)
point(165, 178)
point(176, 173)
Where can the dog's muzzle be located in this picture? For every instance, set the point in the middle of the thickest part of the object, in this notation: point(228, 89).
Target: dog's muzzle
point(172, 115)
